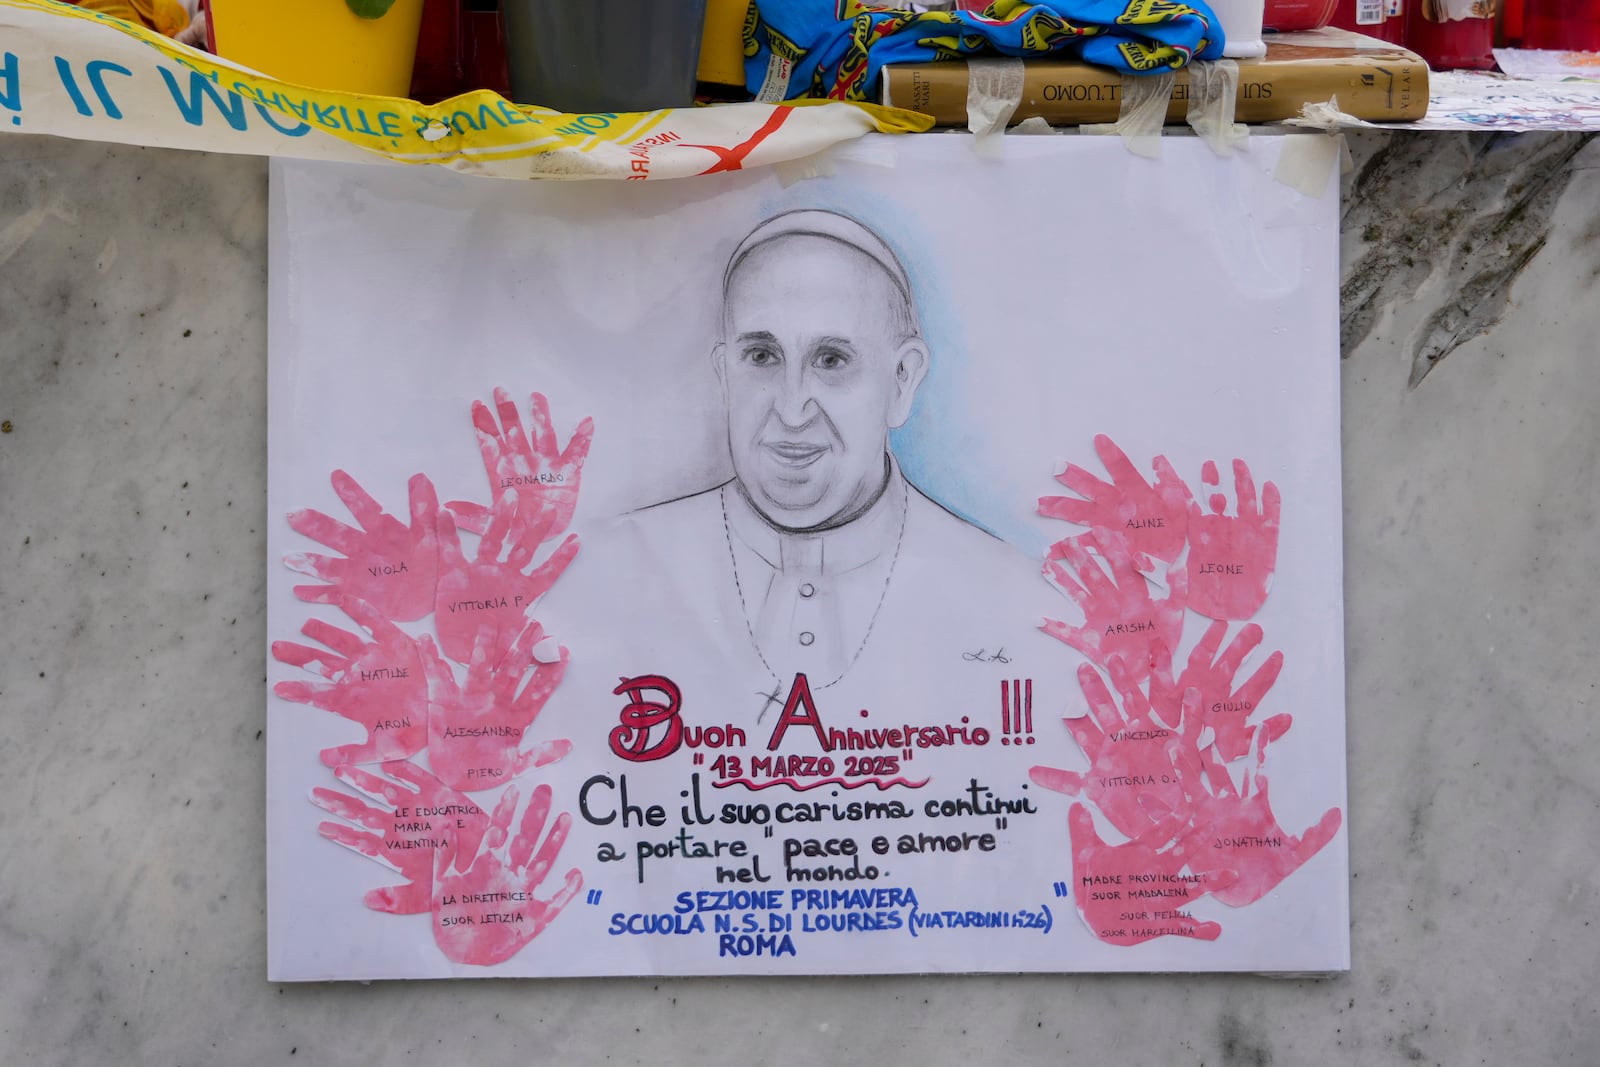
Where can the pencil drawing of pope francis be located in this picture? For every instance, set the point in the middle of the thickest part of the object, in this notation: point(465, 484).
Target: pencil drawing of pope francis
point(818, 556)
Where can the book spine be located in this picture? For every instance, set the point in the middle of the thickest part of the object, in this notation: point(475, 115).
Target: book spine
point(1390, 91)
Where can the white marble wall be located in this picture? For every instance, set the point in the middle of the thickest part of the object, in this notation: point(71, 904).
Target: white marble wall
point(132, 489)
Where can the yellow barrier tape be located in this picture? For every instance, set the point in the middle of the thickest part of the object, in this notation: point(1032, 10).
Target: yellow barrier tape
point(74, 73)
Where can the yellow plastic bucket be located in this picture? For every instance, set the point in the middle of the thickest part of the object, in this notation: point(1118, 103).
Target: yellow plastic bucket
point(321, 43)
point(722, 46)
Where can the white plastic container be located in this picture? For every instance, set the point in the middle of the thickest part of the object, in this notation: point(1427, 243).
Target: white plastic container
point(1241, 21)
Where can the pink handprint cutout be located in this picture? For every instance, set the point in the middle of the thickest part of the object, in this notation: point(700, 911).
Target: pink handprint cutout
point(1135, 891)
point(475, 731)
point(421, 816)
point(487, 913)
point(388, 564)
point(1232, 557)
point(1119, 617)
point(1136, 761)
point(378, 684)
point(543, 475)
point(1225, 709)
point(1152, 519)
point(489, 593)
point(1234, 829)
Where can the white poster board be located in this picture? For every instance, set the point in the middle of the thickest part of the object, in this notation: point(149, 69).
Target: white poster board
point(716, 642)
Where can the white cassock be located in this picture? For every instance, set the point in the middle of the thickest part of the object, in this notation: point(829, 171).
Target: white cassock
point(906, 606)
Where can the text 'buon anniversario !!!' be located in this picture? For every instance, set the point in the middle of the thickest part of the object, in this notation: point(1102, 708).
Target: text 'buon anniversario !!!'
point(830, 852)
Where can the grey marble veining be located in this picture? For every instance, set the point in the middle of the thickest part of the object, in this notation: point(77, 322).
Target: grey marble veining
point(132, 489)
point(1459, 222)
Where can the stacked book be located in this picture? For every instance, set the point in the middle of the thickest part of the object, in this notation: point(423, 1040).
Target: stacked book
point(1370, 79)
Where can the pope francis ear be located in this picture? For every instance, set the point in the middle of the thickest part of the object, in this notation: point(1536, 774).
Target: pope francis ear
point(910, 368)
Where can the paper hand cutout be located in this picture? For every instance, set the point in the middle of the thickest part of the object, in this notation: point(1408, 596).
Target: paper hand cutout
point(1105, 877)
point(1119, 617)
point(484, 908)
point(488, 592)
point(543, 476)
point(421, 815)
point(386, 563)
point(1134, 758)
point(1234, 829)
point(1226, 710)
point(378, 685)
point(1232, 557)
point(475, 731)
point(1150, 519)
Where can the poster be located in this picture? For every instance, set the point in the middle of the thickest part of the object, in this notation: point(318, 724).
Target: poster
point(921, 567)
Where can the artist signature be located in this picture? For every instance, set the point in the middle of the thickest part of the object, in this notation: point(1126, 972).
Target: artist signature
point(983, 655)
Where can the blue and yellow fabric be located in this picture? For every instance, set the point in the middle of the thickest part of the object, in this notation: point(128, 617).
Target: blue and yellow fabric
point(835, 48)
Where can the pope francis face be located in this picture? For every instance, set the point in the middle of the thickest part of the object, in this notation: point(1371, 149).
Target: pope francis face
point(820, 359)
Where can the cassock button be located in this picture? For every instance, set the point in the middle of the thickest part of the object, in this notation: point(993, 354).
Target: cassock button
point(808, 590)
point(806, 637)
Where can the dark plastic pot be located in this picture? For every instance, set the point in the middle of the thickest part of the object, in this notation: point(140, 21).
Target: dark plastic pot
point(603, 55)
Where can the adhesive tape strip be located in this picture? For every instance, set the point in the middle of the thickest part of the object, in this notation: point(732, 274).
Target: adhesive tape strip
point(1324, 116)
point(1213, 97)
point(994, 89)
point(816, 165)
point(1308, 161)
point(868, 152)
point(864, 152)
point(1034, 125)
point(1145, 100)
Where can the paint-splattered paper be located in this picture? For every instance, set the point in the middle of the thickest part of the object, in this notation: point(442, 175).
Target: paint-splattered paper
point(1483, 100)
point(922, 566)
